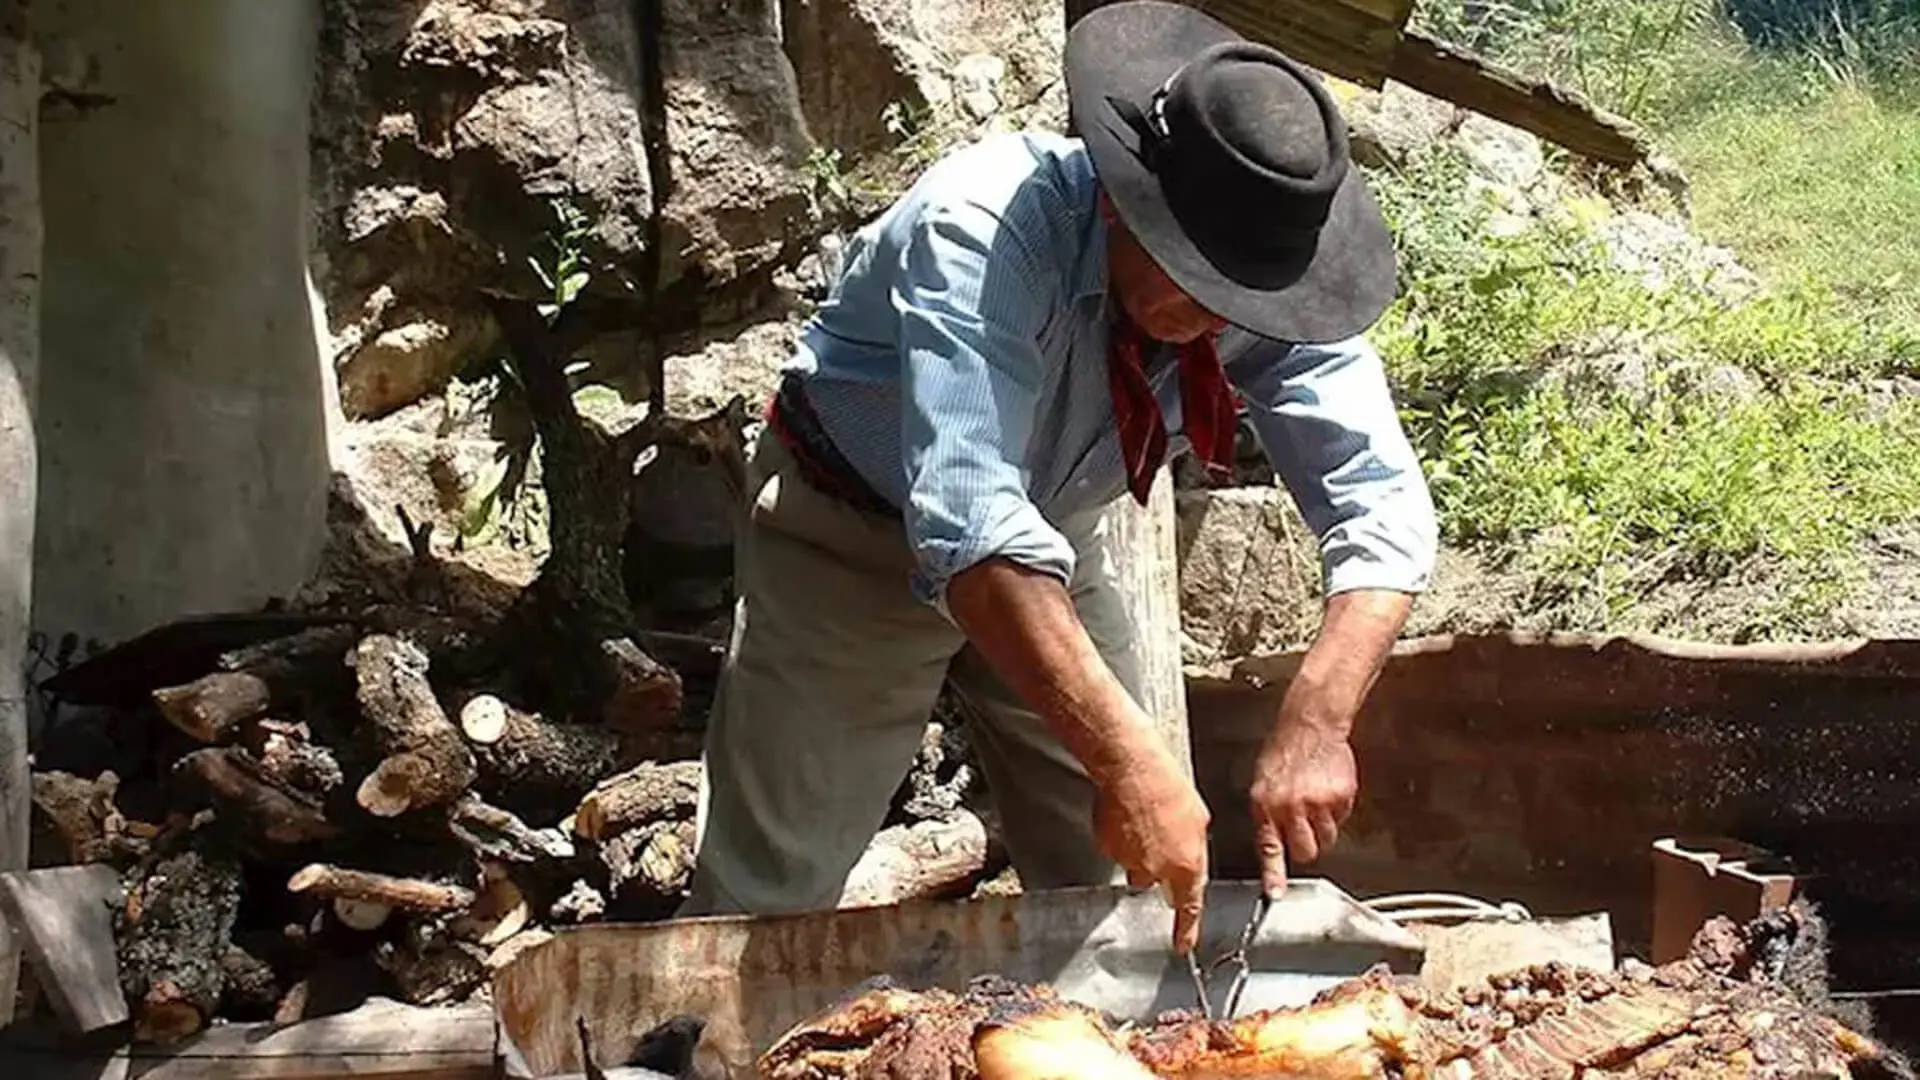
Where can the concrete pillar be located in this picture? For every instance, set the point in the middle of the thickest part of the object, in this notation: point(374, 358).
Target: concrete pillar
point(183, 437)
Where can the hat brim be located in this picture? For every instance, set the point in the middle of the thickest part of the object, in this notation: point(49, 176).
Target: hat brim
point(1125, 52)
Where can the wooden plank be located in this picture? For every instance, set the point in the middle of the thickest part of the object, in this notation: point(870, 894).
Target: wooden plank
point(1141, 541)
point(1554, 114)
point(63, 916)
point(382, 1040)
point(1346, 39)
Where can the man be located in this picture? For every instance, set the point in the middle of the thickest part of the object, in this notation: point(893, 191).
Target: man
point(1021, 339)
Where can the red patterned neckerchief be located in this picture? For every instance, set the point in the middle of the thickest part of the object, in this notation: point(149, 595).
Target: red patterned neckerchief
point(1209, 413)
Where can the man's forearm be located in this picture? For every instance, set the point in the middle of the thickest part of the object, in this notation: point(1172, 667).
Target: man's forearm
point(1024, 624)
point(1356, 634)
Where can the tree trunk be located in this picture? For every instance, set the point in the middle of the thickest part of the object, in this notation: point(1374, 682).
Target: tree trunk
point(1143, 546)
point(20, 241)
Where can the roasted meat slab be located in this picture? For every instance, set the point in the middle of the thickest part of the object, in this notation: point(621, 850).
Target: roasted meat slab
point(1722, 1013)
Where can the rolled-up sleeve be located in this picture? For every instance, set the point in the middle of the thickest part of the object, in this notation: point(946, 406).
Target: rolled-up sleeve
point(971, 305)
point(1326, 418)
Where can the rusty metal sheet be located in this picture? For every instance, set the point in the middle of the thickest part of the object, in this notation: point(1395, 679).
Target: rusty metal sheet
point(751, 979)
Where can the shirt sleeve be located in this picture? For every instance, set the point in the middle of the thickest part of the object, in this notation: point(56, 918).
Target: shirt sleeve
point(1326, 418)
point(971, 306)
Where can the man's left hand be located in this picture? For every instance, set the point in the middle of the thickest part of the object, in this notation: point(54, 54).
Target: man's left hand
point(1304, 785)
point(1305, 781)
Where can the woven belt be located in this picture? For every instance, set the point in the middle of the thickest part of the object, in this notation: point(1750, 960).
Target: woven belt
point(792, 418)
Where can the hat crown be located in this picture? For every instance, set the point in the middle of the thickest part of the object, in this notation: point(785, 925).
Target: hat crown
point(1243, 108)
point(1264, 113)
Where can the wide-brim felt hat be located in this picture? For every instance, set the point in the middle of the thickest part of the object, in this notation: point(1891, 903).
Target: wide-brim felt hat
point(1229, 161)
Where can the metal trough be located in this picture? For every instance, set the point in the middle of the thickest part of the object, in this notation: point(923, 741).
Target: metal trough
point(751, 979)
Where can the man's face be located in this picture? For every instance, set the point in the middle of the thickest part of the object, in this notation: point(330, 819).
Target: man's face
point(1151, 299)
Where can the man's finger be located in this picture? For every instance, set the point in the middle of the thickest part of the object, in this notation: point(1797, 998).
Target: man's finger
point(1272, 851)
point(1326, 831)
point(1300, 838)
point(1189, 904)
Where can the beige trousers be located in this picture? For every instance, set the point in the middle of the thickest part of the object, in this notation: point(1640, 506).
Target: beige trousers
point(829, 683)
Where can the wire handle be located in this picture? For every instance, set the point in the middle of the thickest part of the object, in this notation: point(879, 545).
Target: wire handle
point(1423, 906)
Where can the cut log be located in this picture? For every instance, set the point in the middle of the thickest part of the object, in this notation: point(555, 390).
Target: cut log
point(63, 916)
point(293, 657)
point(496, 835)
point(246, 799)
point(431, 967)
point(400, 894)
point(1141, 542)
point(484, 719)
point(425, 760)
point(288, 755)
point(536, 767)
point(362, 915)
point(648, 792)
point(929, 860)
point(212, 707)
point(581, 903)
point(642, 692)
point(252, 990)
point(648, 866)
point(540, 862)
point(173, 930)
point(942, 775)
point(75, 820)
point(499, 912)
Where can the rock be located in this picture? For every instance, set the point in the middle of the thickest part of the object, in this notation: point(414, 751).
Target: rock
point(851, 60)
point(1389, 127)
point(978, 76)
point(957, 67)
point(749, 364)
point(739, 202)
point(1249, 573)
point(432, 463)
point(1664, 253)
point(445, 130)
point(409, 361)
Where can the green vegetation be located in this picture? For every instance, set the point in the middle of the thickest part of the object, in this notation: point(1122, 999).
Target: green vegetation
point(1606, 436)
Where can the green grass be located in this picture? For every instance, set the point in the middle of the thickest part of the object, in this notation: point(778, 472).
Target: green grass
point(1607, 438)
point(1824, 191)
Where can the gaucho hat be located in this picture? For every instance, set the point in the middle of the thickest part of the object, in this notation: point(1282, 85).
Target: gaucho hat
point(1229, 161)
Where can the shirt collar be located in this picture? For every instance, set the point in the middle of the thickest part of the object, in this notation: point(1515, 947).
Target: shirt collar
point(1090, 273)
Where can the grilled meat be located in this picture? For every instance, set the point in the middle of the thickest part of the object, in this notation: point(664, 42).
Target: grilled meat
point(1714, 1014)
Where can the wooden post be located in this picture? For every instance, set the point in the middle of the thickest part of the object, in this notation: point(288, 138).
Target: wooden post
point(20, 239)
point(1142, 541)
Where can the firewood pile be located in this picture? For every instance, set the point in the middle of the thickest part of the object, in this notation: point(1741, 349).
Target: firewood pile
point(368, 800)
point(391, 790)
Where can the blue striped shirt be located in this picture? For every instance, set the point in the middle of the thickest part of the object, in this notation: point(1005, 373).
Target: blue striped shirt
point(960, 365)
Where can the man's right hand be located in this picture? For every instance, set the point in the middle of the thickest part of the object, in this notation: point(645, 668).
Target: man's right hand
point(1150, 819)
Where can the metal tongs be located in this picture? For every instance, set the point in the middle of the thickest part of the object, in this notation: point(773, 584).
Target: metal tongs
point(1237, 956)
